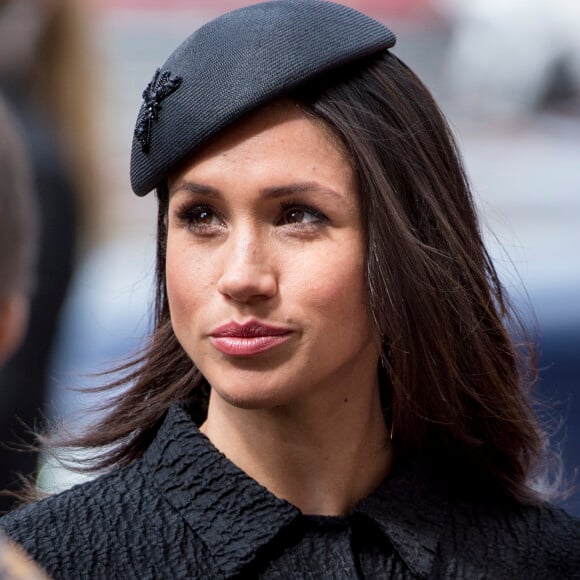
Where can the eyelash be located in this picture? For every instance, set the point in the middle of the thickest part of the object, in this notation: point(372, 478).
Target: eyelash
point(187, 213)
point(287, 205)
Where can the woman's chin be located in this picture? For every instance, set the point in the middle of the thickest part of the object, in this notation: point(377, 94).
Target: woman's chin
point(251, 397)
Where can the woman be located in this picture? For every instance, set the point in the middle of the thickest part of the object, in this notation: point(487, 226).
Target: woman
point(330, 390)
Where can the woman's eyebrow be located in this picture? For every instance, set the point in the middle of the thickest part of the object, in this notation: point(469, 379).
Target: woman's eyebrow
point(196, 188)
point(296, 188)
point(267, 192)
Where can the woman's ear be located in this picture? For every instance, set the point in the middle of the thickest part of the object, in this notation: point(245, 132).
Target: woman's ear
point(14, 310)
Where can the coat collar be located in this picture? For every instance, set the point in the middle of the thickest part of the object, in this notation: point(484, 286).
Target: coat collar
point(235, 516)
point(411, 508)
point(232, 513)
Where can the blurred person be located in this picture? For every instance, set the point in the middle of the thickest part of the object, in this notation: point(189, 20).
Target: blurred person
point(334, 386)
point(44, 74)
point(18, 245)
point(18, 235)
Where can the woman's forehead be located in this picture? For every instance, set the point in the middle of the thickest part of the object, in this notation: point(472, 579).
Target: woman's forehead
point(278, 135)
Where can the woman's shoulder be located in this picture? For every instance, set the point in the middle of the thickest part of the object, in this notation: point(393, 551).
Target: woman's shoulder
point(69, 516)
point(479, 532)
point(533, 521)
point(118, 525)
point(541, 538)
point(79, 529)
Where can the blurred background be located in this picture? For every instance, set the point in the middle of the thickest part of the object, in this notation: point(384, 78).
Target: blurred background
point(506, 73)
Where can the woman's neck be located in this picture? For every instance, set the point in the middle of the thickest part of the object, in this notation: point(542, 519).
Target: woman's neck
point(321, 456)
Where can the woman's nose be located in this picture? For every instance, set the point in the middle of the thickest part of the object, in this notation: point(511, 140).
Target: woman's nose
point(248, 273)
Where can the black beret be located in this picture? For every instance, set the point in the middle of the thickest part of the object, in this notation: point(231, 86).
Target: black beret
point(234, 64)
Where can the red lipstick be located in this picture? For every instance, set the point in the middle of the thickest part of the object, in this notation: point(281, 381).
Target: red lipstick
point(248, 339)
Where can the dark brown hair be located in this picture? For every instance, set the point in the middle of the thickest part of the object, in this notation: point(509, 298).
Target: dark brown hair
point(455, 382)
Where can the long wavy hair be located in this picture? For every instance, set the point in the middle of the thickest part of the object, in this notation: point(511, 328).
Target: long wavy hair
point(454, 372)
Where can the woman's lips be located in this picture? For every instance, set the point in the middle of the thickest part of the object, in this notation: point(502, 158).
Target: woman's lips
point(248, 339)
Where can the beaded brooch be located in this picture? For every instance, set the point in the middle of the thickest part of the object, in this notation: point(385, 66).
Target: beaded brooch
point(160, 87)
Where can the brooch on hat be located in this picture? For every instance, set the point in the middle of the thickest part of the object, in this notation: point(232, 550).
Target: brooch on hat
point(160, 87)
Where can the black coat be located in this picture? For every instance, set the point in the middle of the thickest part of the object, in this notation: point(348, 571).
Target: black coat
point(185, 511)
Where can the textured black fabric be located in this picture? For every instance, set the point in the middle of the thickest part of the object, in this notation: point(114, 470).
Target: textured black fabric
point(185, 511)
point(236, 63)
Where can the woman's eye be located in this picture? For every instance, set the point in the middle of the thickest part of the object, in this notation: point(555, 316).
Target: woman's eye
point(203, 216)
point(198, 217)
point(301, 215)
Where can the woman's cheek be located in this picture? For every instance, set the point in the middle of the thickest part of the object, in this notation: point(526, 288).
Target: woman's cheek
point(186, 278)
point(337, 283)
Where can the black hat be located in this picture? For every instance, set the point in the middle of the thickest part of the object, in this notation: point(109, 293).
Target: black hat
point(234, 64)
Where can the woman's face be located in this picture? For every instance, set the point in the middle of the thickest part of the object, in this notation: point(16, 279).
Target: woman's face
point(265, 264)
